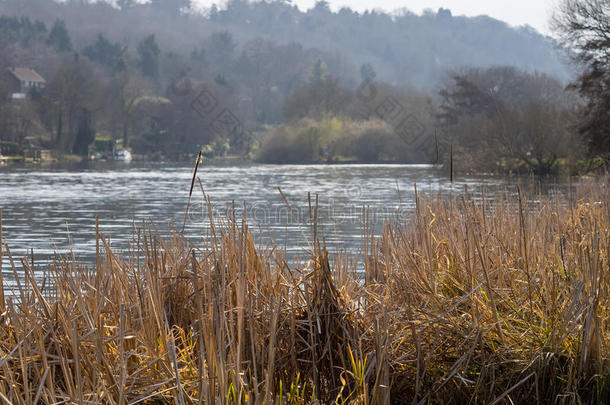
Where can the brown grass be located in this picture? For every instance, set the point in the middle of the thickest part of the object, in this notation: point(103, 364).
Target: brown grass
point(488, 302)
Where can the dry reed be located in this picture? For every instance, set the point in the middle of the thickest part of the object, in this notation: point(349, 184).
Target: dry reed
point(480, 302)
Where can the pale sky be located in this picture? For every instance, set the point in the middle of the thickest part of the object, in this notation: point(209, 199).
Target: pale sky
point(515, 12)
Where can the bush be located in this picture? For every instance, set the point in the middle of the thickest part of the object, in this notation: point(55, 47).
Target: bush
point(333, 139)
point(291, 145)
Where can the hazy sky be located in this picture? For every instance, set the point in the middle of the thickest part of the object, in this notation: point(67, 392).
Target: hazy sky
point(515, 12)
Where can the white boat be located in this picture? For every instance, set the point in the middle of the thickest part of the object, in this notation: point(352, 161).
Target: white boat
point(122, 155)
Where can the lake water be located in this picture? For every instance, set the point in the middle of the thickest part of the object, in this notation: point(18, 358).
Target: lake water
point(53, 210)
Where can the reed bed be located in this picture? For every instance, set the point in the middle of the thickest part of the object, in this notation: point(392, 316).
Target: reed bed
point(501, 302)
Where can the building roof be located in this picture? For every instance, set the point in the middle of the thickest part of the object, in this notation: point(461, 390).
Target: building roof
point(27, 75)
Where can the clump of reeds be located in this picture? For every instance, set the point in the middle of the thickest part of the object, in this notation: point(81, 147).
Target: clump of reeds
point(483, 302)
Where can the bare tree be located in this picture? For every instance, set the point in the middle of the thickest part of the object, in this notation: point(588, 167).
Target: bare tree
point(503, 116)
point(584, 27)
point(71, 92)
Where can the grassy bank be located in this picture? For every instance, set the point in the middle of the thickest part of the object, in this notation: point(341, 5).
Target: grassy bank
point(481, 302)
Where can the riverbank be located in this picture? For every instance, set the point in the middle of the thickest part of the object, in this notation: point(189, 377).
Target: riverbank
point(488, 302)
point(582, 167)
point(68, 160)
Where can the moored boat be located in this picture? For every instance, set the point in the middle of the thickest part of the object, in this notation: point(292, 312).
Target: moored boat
point(122, 155)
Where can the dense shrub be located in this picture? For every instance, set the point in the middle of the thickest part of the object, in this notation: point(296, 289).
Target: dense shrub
point(333, 139)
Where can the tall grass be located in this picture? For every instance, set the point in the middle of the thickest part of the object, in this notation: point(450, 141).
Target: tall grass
point(502, 301)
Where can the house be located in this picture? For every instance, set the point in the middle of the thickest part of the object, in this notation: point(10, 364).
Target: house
point(22, 80)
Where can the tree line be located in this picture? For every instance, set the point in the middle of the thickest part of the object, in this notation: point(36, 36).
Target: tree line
point(279, 102)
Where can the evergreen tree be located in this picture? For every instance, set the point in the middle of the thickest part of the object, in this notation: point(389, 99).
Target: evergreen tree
point(319, 71)
point(222, 46)
point(85, 134)
point(59, 37)
point(367, 72)
point(104, 52)
point(149, 52)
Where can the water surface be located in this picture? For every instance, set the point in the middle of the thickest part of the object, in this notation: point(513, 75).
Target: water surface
point(53, 210)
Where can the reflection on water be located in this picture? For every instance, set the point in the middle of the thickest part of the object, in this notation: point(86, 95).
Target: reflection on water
point(51, 210)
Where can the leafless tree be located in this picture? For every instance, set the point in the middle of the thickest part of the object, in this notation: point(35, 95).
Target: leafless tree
point(503, 116)
point(584, 28)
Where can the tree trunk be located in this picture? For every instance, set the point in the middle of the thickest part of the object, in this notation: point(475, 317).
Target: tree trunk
point(59, 128)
